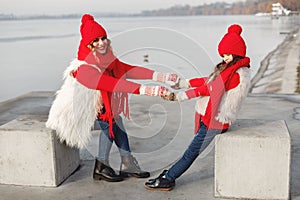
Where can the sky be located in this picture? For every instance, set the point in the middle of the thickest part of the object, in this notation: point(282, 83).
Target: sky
point(52, 7)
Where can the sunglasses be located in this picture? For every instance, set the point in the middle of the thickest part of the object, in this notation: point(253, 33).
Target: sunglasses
point(102, 38)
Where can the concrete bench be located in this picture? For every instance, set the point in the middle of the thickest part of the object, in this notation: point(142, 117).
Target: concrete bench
point(252, 161)
point(31, 154)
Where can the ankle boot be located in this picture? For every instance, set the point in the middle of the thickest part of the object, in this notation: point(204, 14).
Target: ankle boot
point(130, 167)
point(160, 183)
point(105, 172)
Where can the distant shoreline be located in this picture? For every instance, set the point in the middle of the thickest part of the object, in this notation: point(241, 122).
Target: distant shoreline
point(12, 17)
point(184, 9)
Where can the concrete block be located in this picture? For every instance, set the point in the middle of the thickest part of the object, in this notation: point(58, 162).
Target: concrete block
point(252, 161)
point(31, 154)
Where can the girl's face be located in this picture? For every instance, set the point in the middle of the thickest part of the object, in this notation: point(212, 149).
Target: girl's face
point(227, 58)
point(100, 44)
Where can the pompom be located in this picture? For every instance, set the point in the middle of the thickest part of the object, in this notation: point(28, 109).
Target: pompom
point(86, 17)
point(235, 28)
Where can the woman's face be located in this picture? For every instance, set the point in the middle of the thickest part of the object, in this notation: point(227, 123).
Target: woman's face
point(100, 44)
point(227, 58)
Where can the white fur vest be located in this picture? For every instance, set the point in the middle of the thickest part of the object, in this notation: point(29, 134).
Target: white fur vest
point(74, 109)
point(231, 100)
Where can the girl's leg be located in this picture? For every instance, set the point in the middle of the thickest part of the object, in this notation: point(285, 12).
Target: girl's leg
point(201, 140)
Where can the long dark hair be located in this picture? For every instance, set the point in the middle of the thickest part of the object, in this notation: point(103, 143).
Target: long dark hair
point(221, 67)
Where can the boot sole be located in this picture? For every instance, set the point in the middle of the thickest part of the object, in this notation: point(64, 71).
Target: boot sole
point(161, 189)
point(101, 177)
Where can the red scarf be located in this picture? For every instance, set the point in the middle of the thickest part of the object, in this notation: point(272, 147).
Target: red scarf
point(115, 103)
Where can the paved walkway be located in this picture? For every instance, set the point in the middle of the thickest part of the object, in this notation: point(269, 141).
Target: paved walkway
point(196, 183)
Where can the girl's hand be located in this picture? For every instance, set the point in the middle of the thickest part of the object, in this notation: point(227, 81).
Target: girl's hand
point(182, 84)
point(180, 96)
point(169, 97)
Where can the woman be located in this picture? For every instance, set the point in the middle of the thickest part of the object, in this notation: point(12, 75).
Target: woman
point(95, 87)
point(221, 96)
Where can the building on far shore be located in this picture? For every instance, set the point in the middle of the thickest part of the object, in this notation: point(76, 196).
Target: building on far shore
point(277, 11)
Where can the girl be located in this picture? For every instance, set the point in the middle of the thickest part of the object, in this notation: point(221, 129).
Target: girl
point(221, 96)
point(95, 87)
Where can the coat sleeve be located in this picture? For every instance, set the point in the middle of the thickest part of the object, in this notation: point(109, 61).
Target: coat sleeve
point(197, 82)
point(93, 79)
point(135, 72)
point(217, 84)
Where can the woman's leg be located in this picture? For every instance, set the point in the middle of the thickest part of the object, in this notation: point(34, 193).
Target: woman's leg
point(121, 138)
point(102, 169)
point(105, 142)
point(129, 165)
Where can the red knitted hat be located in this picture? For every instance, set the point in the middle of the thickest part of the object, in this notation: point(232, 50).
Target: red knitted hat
point(232, 42)
point(89, 30)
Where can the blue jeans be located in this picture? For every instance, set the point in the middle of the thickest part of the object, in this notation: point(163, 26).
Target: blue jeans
point(201, 140)
point(105, 141)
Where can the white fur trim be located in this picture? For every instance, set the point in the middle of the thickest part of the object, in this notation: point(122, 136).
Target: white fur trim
point(232, 100)
point(74, 110)
point(201, 104)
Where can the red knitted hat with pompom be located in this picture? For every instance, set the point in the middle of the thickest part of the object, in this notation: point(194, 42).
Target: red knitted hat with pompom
point(90, 29)
point(232, 42)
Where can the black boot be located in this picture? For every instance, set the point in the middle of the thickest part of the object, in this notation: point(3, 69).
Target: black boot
point(130, 167)
point(160, 183)
point(105, 172)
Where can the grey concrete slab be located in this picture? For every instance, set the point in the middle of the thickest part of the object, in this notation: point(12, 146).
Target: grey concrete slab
point(196, 183)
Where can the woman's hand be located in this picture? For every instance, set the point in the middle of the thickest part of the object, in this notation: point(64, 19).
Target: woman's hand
point(154, 90)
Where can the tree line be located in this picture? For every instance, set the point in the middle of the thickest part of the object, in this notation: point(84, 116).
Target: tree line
point(247, 7)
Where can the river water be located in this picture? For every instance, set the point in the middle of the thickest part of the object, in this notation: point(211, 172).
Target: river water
point(34, 53)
